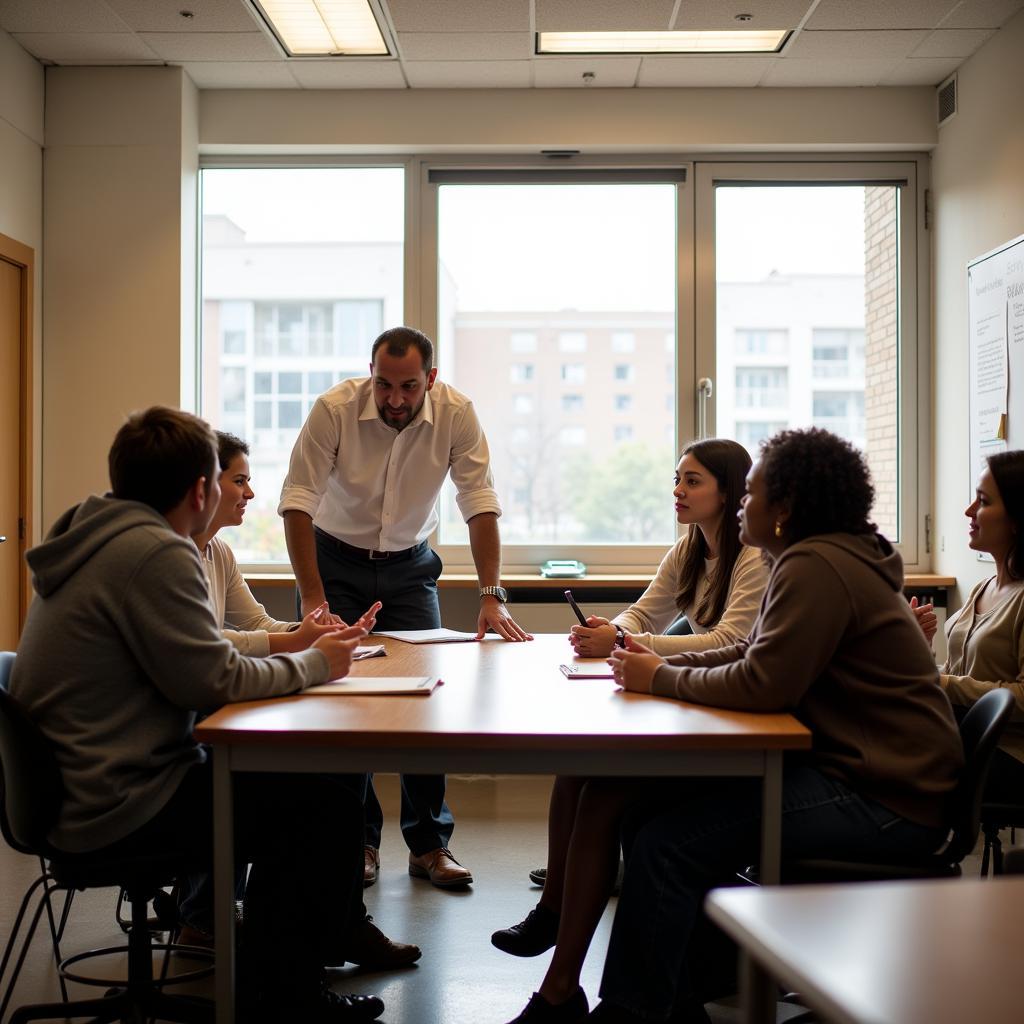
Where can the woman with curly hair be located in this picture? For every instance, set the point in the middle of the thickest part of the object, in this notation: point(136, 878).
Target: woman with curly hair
point(985, 639)
point(836, 645)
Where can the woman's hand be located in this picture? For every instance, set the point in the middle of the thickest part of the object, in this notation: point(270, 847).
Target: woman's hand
point(368, 619)
point(926, 618)
point(594, 640)
point(319, 622)
point(338, 646)
point(634, 667)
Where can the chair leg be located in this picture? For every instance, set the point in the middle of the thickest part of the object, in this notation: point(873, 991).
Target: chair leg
point(997, 855)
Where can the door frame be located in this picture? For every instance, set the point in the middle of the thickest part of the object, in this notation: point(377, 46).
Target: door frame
point(22, 256)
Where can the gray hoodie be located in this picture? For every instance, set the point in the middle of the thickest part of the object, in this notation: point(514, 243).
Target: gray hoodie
point(120, 650)
point(836, 644)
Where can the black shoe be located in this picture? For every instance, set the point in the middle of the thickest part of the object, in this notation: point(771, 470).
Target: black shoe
point(536, 933)
point(367, 946)
point(332, 1008)
point(539, 1011)
point(539, 876)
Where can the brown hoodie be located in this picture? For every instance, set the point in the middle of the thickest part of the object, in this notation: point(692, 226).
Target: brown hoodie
point(836, 644)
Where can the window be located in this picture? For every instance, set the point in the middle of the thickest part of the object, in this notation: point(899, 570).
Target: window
point(572, 403)
point(574, 373)
point(623, 432)
point(573, 435)
point(572, 341)
point(523, 341)
point(750, 433)
point(522, 403)
point(623, 371)
point(520, 372)
point(302, 268)
point(759, 387)
point(623, 341)
point(814, 306)
point(623, 403)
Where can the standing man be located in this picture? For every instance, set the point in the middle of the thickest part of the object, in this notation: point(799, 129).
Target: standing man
point(359, 503)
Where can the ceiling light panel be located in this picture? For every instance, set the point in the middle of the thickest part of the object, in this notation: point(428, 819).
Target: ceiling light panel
point(740, 41)
point(308, 28)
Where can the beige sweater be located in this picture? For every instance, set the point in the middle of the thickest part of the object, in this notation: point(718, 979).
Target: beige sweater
point(985, 652)
point(837, 645)
point(656, 608)
point(244, 620)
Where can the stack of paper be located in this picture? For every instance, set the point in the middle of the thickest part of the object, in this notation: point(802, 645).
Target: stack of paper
point(381, 686)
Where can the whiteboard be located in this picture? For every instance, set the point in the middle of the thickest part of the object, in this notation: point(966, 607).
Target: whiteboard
point(995, 315)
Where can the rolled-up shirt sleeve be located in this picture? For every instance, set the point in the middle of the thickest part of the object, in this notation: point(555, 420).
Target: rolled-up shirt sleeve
point(313, 458)
point(471, 467)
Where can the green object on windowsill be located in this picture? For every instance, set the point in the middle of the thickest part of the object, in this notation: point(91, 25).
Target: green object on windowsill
point(570, 568)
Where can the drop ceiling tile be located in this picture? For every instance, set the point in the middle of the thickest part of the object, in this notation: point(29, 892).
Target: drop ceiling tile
point(567, 72)
point(460, 15)
point(347, 74)
point(211, 45)
point(827, 72)
point(693, 71)
point(165, 15)
point(603, 15)
point(875, 14)
point(704, 15)
point(465, 45)
point(853, 45)
point(921, 72)
point(957, 42)
point(244, 74)
point(468, 74)
point(59, 16)
point(982, 13)
point(87, 47)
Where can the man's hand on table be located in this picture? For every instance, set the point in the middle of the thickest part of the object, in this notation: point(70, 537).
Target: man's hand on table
point(494, 615)
point(634, 666)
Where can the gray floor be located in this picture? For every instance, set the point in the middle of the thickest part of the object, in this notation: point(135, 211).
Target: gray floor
point(461, 979)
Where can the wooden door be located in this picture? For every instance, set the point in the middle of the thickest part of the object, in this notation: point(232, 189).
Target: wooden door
point(15, 403)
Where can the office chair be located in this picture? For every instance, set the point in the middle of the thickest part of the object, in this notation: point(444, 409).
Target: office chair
point(994, 818)
point(980, 731)
point(30, 798)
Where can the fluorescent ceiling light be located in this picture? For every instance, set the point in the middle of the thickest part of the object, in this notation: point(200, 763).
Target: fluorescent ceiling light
point(324, 27)
point(740, 41)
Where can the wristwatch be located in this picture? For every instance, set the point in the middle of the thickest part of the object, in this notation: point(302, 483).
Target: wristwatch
point(620, 636)
point(499, 592)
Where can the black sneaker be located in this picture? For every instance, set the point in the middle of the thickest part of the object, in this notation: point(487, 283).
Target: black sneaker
point(539, 1011)
point(332, 1008)
point(536, 933)
point(539, 876)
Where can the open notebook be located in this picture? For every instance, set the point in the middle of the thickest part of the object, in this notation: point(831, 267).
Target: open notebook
point(427, 636)
point(380, 686)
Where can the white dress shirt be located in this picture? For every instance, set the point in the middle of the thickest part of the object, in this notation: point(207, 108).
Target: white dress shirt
point(375, 487)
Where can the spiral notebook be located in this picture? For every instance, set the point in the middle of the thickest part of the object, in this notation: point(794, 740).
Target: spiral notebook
point(381, 686)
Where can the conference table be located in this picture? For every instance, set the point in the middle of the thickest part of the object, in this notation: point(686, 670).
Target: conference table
point(502, 708)
point(940, 951)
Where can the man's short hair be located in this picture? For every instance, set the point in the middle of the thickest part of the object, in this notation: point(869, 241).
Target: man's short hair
point(399, 339)
point(159, 454)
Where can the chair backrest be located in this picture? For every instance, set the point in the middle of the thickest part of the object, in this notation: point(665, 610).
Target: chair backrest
point(980, 731)
point(681, 627)
point(30, 784)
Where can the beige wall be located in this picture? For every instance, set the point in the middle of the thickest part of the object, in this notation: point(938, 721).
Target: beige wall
point(21, 191)
point(978, 202)
point(119, 159)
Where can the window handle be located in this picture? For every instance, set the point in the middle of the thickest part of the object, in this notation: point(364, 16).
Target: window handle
point(705, 389)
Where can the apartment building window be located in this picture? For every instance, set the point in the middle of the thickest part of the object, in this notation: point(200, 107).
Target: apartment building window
point(573, 435)
point(838, 352)
point(758, 387)
point(623, 432)
point(623, 403)
point(521, 372)
point(750, 433)
point(523, 341)
point(574, 373)
point(572, 341)
point(623, 341)
point(301, 270)
point(572, 403)
point(522, 404)
point(761, 342)
point(622, 372)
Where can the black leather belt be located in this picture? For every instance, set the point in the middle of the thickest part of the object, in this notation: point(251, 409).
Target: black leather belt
point(371, 555)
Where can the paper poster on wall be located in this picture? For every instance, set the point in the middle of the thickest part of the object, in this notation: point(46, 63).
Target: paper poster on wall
point(995, 313)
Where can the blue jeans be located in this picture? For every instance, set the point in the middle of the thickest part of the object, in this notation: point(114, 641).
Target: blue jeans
point(676, 853)
point(407, 589)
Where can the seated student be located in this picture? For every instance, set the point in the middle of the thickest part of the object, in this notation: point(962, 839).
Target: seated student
point(836, 644)
point(985, 638)
point(717, 581)
point(258, 634)
point(119, 651)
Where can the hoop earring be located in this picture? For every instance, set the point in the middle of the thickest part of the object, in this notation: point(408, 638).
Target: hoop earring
point(778, 528)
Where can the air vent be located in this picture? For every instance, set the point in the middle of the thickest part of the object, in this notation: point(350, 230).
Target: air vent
point(946, 96)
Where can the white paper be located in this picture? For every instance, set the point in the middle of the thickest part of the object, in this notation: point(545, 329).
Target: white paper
point(380, 686)
point(370, 651)
point(427, 636)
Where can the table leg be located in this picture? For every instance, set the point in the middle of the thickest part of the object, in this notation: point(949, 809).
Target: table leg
point(224, 886)
point(757, 992)
point(771, 818)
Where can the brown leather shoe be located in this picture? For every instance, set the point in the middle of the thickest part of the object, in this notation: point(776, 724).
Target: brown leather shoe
point(441, 868)
point(371, 865)
point(367, 946)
